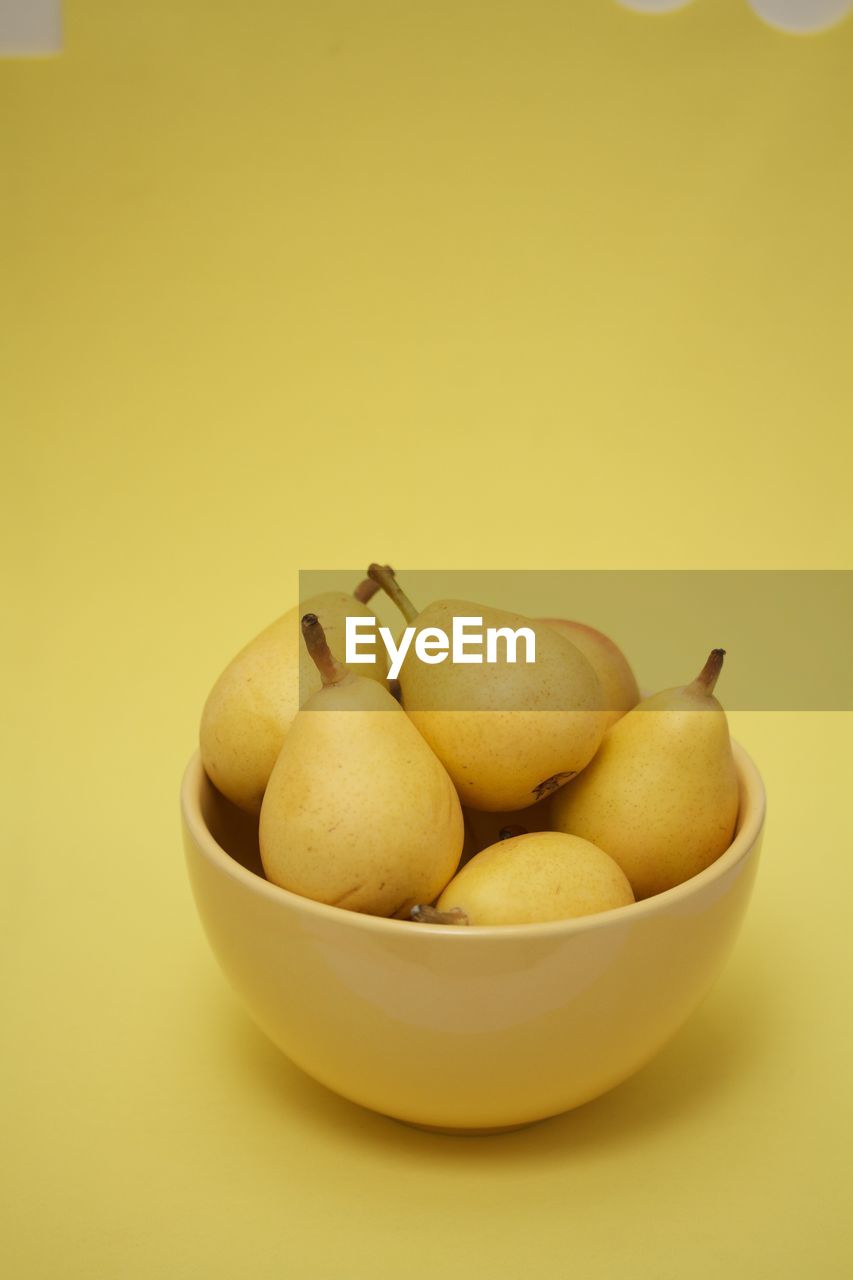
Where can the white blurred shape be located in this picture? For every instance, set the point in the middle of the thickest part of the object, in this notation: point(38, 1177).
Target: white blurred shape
point(787, 15)
point(30, 27)
point(801, 15)
point(655, 6)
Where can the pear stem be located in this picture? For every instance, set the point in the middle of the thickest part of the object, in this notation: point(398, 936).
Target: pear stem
point(331, 671)
point(366, 590)
point(422, 914)
point(384, 576)
point(707, 677)
point(509, 833)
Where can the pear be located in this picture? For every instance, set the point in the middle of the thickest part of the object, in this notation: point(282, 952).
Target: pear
point(358, 812)
point(544, 875)
point(251, 706)
point(619, 688)
point(483, 828)
point(661, 795)
point(507, 733)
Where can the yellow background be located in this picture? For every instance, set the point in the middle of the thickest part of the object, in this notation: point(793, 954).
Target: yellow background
point(445, 284)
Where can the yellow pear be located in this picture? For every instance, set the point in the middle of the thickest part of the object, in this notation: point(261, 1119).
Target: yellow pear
point(661, 795)
point(508, 733)
point(619, 690)
point(251, 706)
point(358, 812)
point(544, 875)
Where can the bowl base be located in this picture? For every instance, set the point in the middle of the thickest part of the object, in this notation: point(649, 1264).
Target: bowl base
point(455, 1132)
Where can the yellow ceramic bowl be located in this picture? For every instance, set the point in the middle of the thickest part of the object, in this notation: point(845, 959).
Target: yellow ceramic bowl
point(463, 1028)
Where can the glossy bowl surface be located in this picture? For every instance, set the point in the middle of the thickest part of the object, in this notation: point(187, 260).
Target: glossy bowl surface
point(463, 1028)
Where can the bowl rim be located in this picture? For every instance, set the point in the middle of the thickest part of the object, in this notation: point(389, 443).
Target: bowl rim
point(750, 820)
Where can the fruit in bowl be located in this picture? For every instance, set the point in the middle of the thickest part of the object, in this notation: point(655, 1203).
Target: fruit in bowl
point(487, 993)
point(358, 811)
point(252, 705)
point(508, 733)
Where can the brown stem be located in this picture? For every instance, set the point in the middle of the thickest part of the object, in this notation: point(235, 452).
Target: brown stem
point(331, 671)
point(422, 914)
point(509, 833)
point(707, 677)
point(384, 576)
point(366, 590)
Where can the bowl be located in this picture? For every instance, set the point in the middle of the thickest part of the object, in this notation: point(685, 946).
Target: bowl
point(464, 1029)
